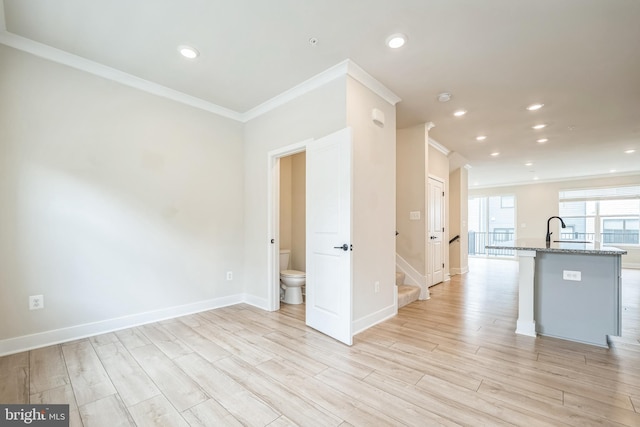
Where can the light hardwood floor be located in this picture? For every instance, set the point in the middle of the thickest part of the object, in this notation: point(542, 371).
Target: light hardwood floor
point(451, 360)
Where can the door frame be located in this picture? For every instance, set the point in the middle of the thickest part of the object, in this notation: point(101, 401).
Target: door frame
point(443, 214)
point(273, 218)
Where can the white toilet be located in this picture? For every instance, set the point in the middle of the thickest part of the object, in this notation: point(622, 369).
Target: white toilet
point(291, 281)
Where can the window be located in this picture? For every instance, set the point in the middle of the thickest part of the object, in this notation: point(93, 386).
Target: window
point(608, 215)
point(507, 202)
point(491, 221)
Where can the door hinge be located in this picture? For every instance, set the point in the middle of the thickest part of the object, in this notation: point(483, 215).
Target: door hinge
point(442, 265)
point(443, 229)
point(443, 194)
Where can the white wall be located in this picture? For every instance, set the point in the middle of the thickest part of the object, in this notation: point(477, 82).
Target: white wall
point(411, 166)
point(113, 202)
point(373, 209)
point(535, 203)
point(458, 221)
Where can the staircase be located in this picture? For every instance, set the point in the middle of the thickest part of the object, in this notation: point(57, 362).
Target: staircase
point(406, 293)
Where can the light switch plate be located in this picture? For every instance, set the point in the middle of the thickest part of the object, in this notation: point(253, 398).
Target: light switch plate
point(415, 215)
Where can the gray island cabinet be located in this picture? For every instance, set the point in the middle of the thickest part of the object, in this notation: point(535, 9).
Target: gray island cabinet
point(568, 290)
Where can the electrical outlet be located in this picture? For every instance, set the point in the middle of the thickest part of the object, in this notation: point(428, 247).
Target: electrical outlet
point(36, 302)
point(575, 276)
point(229, 275)
point(376, 287)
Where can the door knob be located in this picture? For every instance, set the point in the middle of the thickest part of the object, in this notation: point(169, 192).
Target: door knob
point(344, 247)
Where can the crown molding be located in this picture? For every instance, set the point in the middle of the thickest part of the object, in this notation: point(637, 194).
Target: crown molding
point(441, 148)
point(371, 83)
point(346, 67)
point(74, 61)
point(307, 86)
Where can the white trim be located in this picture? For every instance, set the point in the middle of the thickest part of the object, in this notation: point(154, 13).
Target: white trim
point(373, 319)
point(371, 83)
point(307, 86)
point(455, 271)
point(631, 265)
point(346, 67)
point(261, 303)
point(413, 277)
point(547, 181)
point(273, 220)
point(441, 148)
point(79, 63)
point(57, 336)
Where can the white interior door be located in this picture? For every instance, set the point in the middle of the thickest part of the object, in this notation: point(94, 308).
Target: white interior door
point(435, 231)
point(329, 291)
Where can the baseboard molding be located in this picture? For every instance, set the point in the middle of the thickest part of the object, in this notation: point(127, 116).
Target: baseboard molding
point(261, 303)
point(57, 336)
point(379, 316)
point(455, 271)
point(413, 277)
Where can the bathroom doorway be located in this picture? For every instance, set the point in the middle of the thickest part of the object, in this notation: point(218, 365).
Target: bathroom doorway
point(292, 212)
point(280, 214)
point(328, 260)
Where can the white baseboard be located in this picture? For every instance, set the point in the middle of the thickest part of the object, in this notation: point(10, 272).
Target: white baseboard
point(413, 277)
point(462, 270)
point(379, 316)
point(261, 303)
point(57, 336)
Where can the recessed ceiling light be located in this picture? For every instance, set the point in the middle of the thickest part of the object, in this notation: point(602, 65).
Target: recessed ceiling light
point(495, 154)
point(540, 126)
point(188, 52)
point(481, 137)
point(612, 171)
point(535, 178)
point(460, 113)
point(629, 151)
point(542, 140)
point(444, 97)
point(313, 41)
point(534, 107)
point(528, 164)
point(395, 41)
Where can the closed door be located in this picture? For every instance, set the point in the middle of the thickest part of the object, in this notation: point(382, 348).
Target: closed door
point(328, 216)
point(435, 231)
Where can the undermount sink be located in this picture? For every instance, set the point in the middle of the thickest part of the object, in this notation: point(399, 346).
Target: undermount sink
point(571, 241)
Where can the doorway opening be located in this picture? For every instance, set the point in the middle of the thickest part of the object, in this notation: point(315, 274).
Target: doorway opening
point(287, 221)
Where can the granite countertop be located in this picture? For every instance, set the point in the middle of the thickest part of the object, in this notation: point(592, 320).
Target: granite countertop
point(540, 245)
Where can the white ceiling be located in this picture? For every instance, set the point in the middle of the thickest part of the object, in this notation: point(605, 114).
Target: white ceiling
point(581, 58)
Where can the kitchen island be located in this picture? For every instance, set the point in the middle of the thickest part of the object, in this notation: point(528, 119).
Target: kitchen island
point(568, 290)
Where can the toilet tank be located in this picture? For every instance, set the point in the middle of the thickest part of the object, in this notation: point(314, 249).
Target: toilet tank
point(284, 259)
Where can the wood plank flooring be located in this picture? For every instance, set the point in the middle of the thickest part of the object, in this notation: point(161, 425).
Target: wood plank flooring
point(450, 360)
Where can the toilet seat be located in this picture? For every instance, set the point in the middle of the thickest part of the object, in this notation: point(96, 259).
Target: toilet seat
point(292, 273)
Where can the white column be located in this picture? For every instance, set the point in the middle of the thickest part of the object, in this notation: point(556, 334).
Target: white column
point(526, 324)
